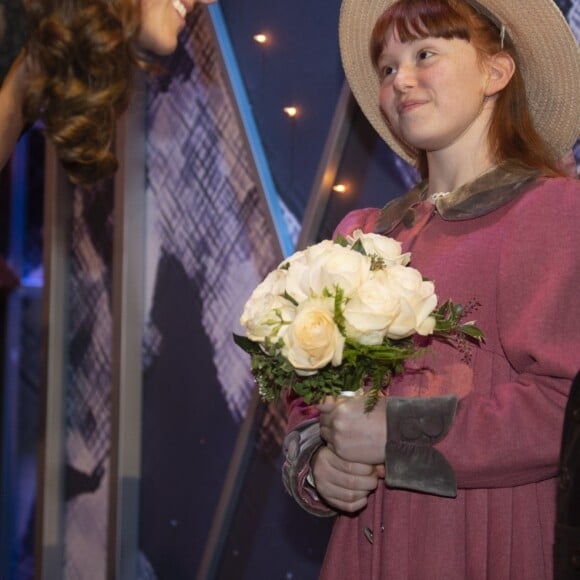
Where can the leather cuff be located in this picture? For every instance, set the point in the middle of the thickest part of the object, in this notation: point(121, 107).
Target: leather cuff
point(414, 425)
point(299, 447)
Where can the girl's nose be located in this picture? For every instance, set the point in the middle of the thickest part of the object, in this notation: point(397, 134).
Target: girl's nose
point(405, 78)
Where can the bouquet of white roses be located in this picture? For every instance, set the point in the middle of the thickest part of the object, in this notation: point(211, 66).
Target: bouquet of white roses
point(341, 315)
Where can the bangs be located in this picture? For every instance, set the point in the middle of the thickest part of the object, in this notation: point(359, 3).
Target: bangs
point(415, 19)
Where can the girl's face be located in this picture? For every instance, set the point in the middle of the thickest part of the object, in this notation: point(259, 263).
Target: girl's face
point(162, 21)
point(432, 90)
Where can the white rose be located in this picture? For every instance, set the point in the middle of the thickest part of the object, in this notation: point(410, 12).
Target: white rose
point(337, 266)
point(298, 268)
point(267, 318)
point(382, 246)
point(313, 339)
point(371, 310)
point(298, 281)
point(314, 251)
point(299, 256)
point(417, 302)
point(273, 283)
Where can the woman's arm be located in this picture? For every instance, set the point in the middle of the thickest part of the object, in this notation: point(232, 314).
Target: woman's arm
point(11, 99)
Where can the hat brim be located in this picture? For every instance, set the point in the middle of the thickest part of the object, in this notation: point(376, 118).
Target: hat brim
point(547, 52)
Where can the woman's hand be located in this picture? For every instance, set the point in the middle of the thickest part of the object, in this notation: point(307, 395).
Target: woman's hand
point(352, 433)
point(343, 485)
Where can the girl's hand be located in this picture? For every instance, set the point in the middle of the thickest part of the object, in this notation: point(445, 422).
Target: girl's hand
point(352, 433)
point(343, 485)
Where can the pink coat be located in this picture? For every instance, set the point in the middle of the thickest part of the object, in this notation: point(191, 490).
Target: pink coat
point(521, 262)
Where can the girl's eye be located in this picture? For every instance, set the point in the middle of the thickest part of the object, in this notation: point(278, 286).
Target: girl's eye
point(387, 71)
point(424, 54)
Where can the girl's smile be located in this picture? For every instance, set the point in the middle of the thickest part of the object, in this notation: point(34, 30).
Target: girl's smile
point(407, 105)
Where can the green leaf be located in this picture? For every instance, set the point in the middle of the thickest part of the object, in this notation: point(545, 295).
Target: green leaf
point(472, 331)
point(358, 247)
point(457, 311)
point(338, 312)
point(290, 298)
point(246, 344)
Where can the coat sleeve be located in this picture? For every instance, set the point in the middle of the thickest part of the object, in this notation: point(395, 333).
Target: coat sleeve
point(301, 443)
point(512, 435)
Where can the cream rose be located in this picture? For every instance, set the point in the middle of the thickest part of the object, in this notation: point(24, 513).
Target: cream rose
point(296, 257)
point(417, 300)
point(267, 317)
point(298, 281)
point(337, 266)
point(381, 246)
point(370, 311)
point(297, 268)
point(273, 283)
point(313, 340)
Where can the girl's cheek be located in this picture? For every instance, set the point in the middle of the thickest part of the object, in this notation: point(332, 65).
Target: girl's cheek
point(386, 100)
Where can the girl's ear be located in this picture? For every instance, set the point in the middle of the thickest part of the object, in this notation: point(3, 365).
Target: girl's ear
point(501, 68)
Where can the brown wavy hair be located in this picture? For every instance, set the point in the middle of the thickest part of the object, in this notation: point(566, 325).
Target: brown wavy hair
point(512, 136)
point(84, 54)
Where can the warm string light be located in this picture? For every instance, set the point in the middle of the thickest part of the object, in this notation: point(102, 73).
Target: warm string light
point(263, 40)
point(291, 111)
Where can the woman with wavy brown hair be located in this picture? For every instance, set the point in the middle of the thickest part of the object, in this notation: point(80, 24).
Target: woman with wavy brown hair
point(75, 74)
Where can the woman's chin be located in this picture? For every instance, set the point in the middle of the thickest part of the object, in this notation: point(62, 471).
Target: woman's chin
point(159, 45)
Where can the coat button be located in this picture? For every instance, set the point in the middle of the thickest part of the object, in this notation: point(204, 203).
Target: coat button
point(576, 415)
point(369, 535)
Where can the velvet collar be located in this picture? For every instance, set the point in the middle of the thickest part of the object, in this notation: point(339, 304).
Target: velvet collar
point(481, 196)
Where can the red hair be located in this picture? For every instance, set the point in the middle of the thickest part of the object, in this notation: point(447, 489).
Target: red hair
point(512, 136)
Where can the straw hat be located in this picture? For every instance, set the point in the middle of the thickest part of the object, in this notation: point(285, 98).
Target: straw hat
point(547, 52)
